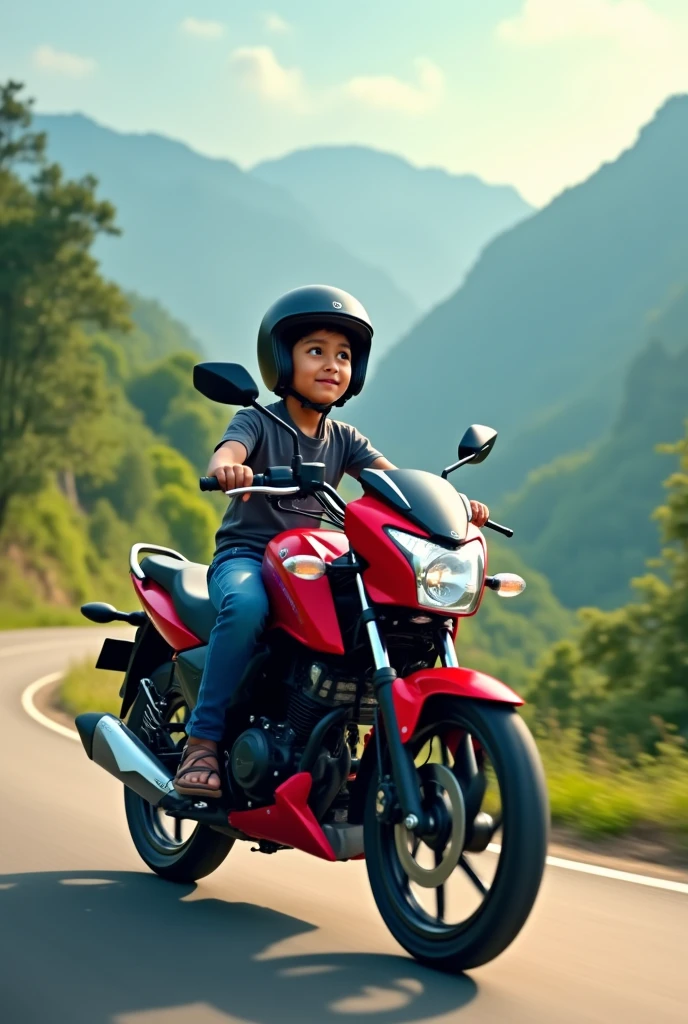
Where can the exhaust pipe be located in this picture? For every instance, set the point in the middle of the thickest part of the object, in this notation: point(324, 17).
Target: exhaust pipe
point(109, 743)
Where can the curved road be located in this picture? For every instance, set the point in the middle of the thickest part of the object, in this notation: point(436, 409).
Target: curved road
point(89, 936)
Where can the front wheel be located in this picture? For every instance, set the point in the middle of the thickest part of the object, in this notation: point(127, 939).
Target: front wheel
point(178, 850)
point(457, 896)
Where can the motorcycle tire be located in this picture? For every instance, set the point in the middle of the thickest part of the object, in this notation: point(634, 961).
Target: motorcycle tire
point(525, 831)
point(176, 861)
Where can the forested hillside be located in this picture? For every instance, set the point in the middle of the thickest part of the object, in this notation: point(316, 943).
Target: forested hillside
point(584, 520)
point(625, 670)
point(424, 226)
point(537, 339)
point(101, 431)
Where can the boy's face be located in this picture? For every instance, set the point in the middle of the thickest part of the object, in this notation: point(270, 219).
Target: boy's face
point(322, 366)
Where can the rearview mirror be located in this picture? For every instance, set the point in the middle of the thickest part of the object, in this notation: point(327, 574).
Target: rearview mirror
point(477, 443)
point(228, 383)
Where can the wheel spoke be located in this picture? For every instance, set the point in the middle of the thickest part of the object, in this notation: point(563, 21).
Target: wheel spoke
point(177, 830)
point(496, 822)
point(475, 879)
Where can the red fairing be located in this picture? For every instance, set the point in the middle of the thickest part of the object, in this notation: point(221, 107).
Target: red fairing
point(161, 611)
point(288, 821)
point(410, 694)
point(304, 608)
point(389, 578)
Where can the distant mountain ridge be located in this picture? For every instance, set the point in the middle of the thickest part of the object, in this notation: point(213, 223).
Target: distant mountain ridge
point(546, 321)
point(425, 226)
point(215, 244)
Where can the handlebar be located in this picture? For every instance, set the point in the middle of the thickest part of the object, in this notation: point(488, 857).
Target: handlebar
point(498, 528)
point(211, 483)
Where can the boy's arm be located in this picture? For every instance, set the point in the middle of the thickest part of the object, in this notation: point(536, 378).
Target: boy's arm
point(227, 464)
point(480, 512)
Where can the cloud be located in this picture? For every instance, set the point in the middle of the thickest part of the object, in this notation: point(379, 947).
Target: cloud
point(260, 72)
point(62, 63)
point(275, 23)
point(631, 23)
point(387, 92)
point(202, 29)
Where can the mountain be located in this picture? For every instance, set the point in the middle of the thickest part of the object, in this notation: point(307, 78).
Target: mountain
point(536, 340)
point(214, 244)
point(425, 227)
point(585, 520)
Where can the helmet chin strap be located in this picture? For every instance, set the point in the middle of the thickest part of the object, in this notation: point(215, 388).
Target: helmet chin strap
point(307, 404)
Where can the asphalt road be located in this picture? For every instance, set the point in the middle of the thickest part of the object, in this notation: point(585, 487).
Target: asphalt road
point(88, 935)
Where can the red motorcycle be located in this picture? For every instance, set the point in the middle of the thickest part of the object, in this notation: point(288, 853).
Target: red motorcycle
point(346, 739)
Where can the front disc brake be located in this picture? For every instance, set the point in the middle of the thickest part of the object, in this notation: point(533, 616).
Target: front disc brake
point(431, 878)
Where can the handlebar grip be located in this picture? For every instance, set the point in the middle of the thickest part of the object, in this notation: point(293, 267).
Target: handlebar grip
point(211, 483)
point(498, 528)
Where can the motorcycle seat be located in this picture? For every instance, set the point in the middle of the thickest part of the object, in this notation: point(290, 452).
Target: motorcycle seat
point(187, 585)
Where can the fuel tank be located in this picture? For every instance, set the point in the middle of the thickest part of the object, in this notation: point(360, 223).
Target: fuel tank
point(304, 608)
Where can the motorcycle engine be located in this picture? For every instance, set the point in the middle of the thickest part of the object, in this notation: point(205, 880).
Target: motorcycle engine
point(263, 757)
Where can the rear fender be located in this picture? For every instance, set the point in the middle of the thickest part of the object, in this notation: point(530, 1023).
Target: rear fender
point(411, 693)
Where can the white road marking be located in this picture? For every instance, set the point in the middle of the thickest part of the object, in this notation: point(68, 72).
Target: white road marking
point(38, 716)
point(554, 862)
point(617, 876)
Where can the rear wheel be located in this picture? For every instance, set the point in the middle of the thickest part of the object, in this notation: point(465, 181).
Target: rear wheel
point(456, 898)
point(176, 849)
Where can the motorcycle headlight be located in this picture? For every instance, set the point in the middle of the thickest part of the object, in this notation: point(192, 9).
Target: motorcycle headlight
point(448, 579)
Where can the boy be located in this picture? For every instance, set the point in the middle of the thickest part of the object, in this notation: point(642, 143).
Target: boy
point(313, 348)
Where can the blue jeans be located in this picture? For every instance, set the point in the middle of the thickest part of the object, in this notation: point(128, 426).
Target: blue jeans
point(236, 589)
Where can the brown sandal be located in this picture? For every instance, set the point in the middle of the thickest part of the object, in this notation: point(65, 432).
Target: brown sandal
point(191, 756)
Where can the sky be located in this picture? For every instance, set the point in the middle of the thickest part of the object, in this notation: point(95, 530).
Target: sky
point(533, 93)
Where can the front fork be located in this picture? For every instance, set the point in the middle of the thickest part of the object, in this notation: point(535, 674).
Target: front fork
point(403, 769)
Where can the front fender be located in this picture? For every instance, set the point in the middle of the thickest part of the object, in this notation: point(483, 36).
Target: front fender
point(411, 693)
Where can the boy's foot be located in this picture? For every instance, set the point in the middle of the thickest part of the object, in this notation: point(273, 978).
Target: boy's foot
point(199, 771)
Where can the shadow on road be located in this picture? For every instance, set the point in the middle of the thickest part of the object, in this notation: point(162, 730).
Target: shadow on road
point(99, 948)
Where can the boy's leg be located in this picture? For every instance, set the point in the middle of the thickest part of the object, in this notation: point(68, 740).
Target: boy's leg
point(236, 589)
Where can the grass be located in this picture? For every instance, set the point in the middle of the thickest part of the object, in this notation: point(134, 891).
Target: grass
point(86, 688)
point(599, 794)
point(12, 617)
point(595, 793)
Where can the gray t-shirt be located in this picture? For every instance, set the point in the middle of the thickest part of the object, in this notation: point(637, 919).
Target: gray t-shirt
point(255, 522)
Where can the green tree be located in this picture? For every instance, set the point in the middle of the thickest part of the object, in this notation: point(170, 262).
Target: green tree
point(52, 392)
point(190, 521)
point(171, 407)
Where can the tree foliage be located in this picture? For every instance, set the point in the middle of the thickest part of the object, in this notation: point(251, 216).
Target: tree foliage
point(52, 392)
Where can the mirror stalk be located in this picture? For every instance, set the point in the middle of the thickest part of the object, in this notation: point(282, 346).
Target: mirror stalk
point(461, 462)
point(297, 459)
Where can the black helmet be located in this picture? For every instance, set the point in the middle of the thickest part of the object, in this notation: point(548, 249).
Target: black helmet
point(288, 319)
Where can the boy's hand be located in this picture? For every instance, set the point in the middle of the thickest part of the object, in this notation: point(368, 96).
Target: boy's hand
point(232, 476)
point(480, 513)
point(227, 465)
